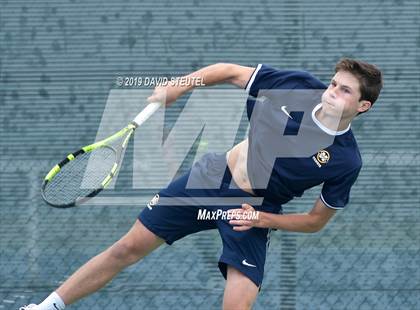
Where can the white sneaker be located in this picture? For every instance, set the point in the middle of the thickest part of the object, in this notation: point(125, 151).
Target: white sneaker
point(28, 307)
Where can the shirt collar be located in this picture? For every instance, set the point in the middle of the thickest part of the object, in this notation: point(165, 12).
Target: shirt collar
point(325, 129)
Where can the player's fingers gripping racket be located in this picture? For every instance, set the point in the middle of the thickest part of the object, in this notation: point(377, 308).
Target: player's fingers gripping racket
point(86, 172)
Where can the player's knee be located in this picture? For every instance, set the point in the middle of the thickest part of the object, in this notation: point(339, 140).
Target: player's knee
point(125, 252)
point(240, 292)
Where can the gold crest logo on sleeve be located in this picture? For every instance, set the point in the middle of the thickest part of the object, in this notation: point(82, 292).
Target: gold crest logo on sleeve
point(321, 158)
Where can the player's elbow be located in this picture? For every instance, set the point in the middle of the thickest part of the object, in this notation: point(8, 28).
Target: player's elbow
point(315, 225)
point(236, 74)
point(315, 229)
point(227, 70)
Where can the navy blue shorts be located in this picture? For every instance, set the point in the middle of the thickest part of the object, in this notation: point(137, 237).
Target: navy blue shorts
point(174, 213)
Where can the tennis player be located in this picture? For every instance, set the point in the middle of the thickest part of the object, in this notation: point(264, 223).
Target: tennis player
point(352, 91)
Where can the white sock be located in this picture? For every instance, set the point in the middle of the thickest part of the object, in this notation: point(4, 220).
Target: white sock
point(52, 302)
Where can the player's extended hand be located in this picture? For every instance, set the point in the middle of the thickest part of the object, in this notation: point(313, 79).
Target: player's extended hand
point(167, 93)
point(162, 94)
point(245, 218)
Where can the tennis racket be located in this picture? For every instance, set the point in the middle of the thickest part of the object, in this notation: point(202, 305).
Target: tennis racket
point(86, 172)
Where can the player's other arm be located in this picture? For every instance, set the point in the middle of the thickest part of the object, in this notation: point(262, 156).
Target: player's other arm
point(211, 75)
point(310, 222)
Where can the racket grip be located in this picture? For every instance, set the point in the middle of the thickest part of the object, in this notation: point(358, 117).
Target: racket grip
point(146, 113)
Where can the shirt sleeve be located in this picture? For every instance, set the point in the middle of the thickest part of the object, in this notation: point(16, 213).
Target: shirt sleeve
point(336, 192)
point(267, 77)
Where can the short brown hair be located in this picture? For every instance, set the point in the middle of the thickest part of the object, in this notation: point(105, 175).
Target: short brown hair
point(368, 75)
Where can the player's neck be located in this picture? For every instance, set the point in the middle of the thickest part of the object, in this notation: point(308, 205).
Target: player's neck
point(331, 122)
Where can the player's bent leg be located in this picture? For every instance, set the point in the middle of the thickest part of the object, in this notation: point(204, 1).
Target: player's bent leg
point(240, 292)
point(98, 271)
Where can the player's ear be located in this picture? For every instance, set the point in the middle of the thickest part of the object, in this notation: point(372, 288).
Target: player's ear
point(364, 105)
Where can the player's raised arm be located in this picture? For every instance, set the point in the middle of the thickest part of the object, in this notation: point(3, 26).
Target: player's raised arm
point(214, 74)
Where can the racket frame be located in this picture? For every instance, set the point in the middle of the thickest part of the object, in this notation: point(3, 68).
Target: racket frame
point(128, 131)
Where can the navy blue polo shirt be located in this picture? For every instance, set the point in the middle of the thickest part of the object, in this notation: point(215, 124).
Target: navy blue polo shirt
point(306, 153)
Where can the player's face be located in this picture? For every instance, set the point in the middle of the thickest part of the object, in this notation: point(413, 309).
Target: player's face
point(342, 97)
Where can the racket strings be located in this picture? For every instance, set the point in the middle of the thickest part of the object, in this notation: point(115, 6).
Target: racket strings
point(119, 143)
point(79, 177)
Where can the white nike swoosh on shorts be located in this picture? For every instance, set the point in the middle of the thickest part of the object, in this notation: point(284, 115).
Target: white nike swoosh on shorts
point(244, 262)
